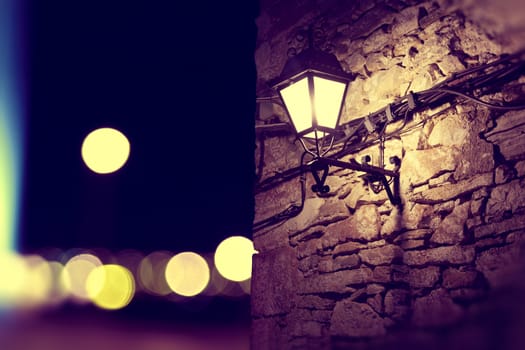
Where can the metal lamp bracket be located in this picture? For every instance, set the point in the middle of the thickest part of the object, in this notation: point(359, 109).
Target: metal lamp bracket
point(374, 175)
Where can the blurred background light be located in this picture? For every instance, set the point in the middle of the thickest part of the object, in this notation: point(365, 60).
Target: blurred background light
point(151, 274)
point(59, 291)
point(187, 274)
point(131, 259)
point(233, 258)
point(75, 274)
point(217, 283)
point(11, 121)
point(105, 150)
point(110, 287)
point(13, 271)
point(38, 281)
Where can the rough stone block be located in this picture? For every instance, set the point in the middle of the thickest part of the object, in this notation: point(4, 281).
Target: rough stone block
point(501, 265)
point(514, 223)
point(411, 140)
point(376, 302)
point(452, 191)
point(381, 255)
point(381, 274)
point(516, 237)
point(412, 244)
point(269, 240)
point(450, 64)
point(332, 211)
point(337, 282)
point(348, 248)
point(376, 61)
point(306, 218)
point(508, 135)
point(481, 244)
point(355, 62)
point(366, 223)
point(418, 166)
point(450, 131)
point(503, 174)
point(467, 294)
point(344, 262)
point(477, 156)
point(374, 288)
point(436, 309)
point(308, 265)
point(376, 41)
point(308, 248)
point(417, 216)
point(457, 278)
point(506, 198)
point(352, 319)
point(520, 168)
point(440, 255)
point(413, 234)
point(315, 302)
point(274, 282)
point(397, 304)
point(423, 278)
point(405, 22)
point(450, 230)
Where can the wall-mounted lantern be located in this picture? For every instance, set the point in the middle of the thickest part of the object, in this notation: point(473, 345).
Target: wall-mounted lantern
point(313, 87)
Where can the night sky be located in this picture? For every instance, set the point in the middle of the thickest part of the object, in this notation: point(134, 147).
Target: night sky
point(179, 82)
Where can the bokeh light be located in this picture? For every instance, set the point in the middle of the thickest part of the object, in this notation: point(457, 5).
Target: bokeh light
point(187, 274)
point(130, 259)
point(110, 287)
point(105, 150)
point(13, 271)
point(59, 290)
point(76, 272)
point(151, 273)
point(233, 258)
point(38, 281)
point(217, 283)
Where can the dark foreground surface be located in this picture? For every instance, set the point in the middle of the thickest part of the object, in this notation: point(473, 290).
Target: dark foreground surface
point(99, 334)
point(84, 328)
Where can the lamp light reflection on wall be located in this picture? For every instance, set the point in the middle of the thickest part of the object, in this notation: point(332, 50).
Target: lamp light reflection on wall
point(313, 87)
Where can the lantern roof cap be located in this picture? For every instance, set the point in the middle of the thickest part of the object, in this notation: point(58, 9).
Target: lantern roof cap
point(311, 59)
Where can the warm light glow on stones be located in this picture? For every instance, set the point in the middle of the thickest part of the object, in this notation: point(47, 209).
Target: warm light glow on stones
point(187, 274)
point(76, 272)
point(233, 258)
point(110, 287)
point(105, 150)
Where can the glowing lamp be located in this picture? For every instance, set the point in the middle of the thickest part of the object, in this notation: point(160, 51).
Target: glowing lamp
point(313, 87)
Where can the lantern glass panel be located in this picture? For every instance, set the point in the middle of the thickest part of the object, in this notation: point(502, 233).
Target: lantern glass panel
point(328, 98)
point(296, 97)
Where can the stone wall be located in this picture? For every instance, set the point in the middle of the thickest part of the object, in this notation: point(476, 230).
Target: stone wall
point(351, 269)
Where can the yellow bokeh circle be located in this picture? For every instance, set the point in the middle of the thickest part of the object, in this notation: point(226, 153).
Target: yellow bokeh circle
point(75, 274)
point(187, 274)
point(110, 286)
point(13, 275)
point(233, 258)
point(105, 150)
